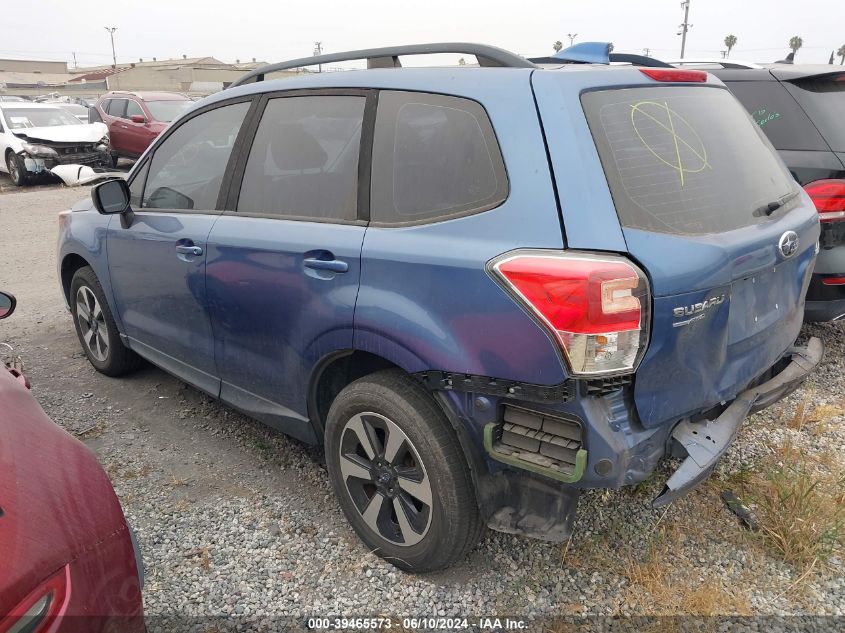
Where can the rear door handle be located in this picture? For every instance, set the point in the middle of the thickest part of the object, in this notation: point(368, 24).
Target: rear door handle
point(189, 250)
point(334, 265)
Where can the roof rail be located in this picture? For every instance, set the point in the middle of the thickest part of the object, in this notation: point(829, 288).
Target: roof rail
point(388, 58)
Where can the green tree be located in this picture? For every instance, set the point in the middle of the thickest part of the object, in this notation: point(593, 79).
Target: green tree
point(841, 53)
point(730, 42)
point(610, 47)
point(462, 62)
point(795, 42)
point(557, 46)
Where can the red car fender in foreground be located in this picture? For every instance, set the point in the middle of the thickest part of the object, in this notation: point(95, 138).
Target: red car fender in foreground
point(65, 549)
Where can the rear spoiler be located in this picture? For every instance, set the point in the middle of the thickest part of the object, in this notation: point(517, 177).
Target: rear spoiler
point(597, 53)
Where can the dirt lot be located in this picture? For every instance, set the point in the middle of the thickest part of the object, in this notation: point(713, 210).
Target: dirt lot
point(235, 519)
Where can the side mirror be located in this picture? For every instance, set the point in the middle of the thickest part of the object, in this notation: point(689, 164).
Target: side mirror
point(112, 196)
point(138, 118)
point(7, 304)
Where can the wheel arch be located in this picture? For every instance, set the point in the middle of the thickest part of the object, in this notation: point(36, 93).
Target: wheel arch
point(70, 264)
point(332, 374)
point(342, 367)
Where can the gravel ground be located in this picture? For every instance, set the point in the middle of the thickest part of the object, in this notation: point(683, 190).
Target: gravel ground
point(236, 519)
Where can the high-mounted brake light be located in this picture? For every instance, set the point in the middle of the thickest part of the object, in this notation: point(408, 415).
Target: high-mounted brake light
point(829, 198)
point(595, 306)
point(675, 74)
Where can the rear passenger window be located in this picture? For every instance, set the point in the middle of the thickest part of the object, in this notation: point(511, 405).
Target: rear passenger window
point(304, 160)
point(434, 157)
point(778, 115)
point(187, 169)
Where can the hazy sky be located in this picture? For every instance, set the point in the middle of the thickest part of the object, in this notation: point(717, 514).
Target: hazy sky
point(273, 31)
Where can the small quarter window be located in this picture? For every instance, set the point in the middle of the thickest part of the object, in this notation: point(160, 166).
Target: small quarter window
point(434, 157)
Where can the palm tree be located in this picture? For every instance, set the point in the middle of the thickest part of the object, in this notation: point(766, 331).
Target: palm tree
point(841, 53)
point(730, 42)
point(610, 47)
point(557, 46)
point(795, 42)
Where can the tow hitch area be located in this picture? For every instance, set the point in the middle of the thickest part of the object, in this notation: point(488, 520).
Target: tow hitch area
point(706, 441)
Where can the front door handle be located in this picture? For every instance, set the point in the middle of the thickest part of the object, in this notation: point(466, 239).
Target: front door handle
point(189, 250)
point(334, 265)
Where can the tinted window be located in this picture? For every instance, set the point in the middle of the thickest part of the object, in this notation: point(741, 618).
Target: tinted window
point(777, 114)
point(187, 168)
point(304, 160)
point(434, 157)
point(684, 160)
point(824, 100)
point(116, 107)
point(132, 109)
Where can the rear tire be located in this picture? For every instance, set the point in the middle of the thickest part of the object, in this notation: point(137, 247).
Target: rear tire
point(17, 169)
point(390, 449)
point(96, 328)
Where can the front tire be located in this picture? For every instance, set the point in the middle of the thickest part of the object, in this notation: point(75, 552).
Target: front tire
point(96, 328)
point(17, 169)
point(399, 473)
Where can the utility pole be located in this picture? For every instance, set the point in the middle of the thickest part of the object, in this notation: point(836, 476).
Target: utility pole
point(571, 37)
point(647, 52)
point(75, 65)
point(685, 26)
point(318, 50)
point(111, 31)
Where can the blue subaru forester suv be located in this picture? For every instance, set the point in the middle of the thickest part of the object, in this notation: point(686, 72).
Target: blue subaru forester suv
point(483, 289)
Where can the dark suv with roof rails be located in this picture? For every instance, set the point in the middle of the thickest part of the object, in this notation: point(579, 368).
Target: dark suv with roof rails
point(481, 289)
point(801, 108)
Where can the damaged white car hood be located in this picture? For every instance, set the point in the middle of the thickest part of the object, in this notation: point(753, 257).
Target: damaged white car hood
point(87, 133)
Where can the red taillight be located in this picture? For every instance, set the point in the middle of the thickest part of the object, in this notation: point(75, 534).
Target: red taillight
point(41, 607)
point(829, 198)
point(675, 74)
point(833, 281)
point(596, 306)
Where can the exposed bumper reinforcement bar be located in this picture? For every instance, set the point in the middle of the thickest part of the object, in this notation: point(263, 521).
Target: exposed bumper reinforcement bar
point(705, 442)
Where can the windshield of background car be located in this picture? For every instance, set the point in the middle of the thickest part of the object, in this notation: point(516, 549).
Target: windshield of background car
point(684, 160)
point(823, 98)
point(21, 118)
point(778, 115)
point(166, 111)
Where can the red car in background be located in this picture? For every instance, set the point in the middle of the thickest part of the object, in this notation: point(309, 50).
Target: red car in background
point(68, 560)
point(134, 119)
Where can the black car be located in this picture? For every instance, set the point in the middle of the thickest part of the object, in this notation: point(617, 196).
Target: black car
point(801, 109)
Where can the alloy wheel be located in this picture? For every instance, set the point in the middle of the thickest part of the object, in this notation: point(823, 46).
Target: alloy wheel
point(385, 478)
point(92, 323)
point(14, 172)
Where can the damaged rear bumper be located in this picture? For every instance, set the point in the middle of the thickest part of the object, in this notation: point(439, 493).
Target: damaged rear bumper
point(706, 441)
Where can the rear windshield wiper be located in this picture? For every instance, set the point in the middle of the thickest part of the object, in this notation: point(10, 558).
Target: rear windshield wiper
point(774, 205)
